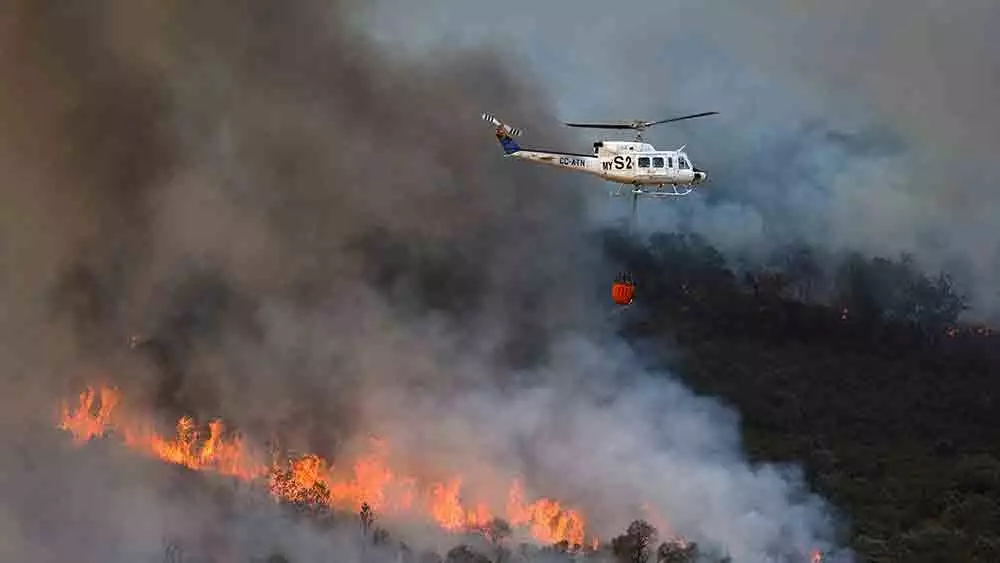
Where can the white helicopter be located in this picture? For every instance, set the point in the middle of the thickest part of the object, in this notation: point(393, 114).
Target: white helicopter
point(628, 163)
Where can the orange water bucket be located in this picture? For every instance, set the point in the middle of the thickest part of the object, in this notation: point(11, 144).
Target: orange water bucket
point(622, 292)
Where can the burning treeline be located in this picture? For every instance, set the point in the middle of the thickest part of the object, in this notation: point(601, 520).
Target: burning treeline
point(312, 480)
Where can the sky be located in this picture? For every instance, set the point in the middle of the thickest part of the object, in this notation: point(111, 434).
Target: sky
point(865, 126)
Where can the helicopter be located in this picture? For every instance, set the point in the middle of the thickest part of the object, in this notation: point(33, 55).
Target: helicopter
point(628, 163)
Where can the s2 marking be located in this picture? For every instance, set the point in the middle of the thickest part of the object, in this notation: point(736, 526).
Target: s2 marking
point(623, 162)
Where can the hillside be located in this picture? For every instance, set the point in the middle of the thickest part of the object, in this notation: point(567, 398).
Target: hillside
point(888, 403)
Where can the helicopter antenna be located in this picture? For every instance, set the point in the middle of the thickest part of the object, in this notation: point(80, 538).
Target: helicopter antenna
point(637, 125)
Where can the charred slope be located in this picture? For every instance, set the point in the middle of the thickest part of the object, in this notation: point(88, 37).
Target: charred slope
point(888, 403)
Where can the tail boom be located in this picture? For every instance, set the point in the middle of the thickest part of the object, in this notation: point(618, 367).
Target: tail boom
point(569, 161)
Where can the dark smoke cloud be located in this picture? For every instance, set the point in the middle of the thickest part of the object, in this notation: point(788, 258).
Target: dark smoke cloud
point(850, 125)
point(317, 239)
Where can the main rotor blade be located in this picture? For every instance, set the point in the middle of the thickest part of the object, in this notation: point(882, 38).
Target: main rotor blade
point(639, 125)
point(671, 120)
point(603, 125)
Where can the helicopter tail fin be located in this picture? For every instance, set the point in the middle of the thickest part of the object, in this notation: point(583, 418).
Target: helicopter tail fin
point(508, 144)
point(505, 133)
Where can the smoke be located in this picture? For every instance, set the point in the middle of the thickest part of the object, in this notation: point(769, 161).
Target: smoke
point(315, 239)
point(849, 126)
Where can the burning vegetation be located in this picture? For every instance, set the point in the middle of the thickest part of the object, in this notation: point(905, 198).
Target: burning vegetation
point(311, 480)
point(313, 483)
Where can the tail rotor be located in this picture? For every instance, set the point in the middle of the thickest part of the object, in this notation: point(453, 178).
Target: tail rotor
point(501, 126)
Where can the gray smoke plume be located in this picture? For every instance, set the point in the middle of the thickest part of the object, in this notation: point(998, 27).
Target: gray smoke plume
point(848, 126)
point(317, 240)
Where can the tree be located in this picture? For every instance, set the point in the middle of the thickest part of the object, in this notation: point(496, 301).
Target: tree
point(561, 546)
point(498, 530)
point(406, 554)
point(856, 290)
point(429, 557)
point(635, 545)
point(771, 284)
point(367, 517)
point(464, 554)
point(380, 536)
point(677, 552)
point(934, 304)
point(173, 554)
point(688, 259)
point(803, 271)
point(897, 291)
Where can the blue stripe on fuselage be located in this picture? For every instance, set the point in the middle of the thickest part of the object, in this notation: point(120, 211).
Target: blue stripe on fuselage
point(508, 144)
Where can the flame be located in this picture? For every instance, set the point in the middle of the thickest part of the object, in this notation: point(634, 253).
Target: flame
point(447, 509)
point(549, 521)
point(227, 457)
point(84, 425)
point(310, 479)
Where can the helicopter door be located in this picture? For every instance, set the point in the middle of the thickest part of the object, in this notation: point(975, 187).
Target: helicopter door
point(658, 167)
point(644, 167)
point(669, 168)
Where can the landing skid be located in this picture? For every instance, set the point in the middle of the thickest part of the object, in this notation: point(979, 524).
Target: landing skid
point(636, 191)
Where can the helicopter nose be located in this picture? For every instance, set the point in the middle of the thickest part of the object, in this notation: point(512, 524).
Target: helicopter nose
point(700, 176)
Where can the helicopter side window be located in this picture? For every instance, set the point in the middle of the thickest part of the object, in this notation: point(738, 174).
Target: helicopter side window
point(670, 162)
point(657, 162)
point(643, 162)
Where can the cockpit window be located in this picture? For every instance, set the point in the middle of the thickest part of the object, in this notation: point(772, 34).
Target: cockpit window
point(643, 162)
point(682, 163)
point(657, 162)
